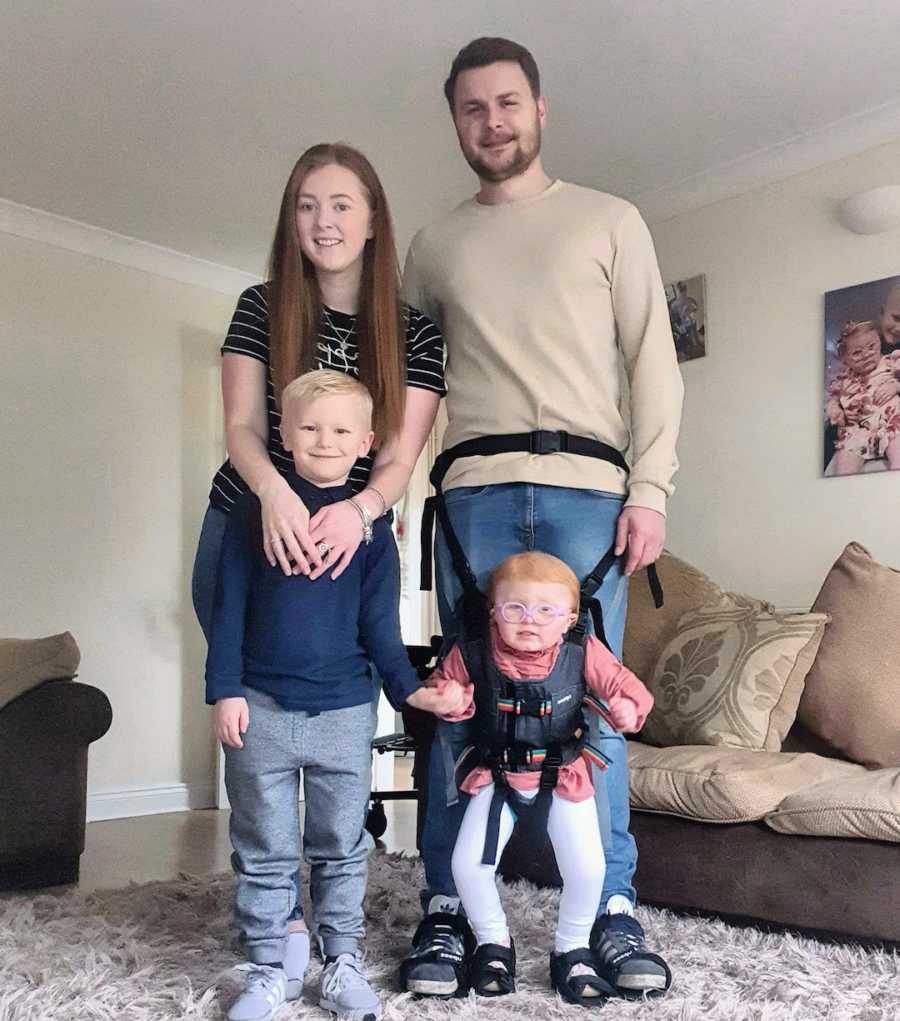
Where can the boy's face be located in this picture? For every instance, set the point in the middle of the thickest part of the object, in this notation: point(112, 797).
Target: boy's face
point(326, 435)
point(861, 352)
point(890, 319)
point(528, 636)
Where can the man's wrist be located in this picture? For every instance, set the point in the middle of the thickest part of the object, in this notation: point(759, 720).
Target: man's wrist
point(648, 496)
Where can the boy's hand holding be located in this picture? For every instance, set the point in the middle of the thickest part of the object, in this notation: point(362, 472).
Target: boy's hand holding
point(444, 699)
point(231, 717)
point(624, 714)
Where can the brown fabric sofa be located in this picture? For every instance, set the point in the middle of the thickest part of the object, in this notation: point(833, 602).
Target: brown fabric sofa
point(46, 726)
point(790, 834)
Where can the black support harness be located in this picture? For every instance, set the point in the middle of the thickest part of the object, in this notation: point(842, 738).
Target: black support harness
point(521, 725)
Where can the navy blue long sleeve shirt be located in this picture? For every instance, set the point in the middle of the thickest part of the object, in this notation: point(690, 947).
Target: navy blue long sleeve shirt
point(306, 643)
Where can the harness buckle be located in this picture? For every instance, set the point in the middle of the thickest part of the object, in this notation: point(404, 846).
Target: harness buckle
point(545, 441)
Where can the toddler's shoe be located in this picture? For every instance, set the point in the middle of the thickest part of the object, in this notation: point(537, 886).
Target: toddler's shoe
point(573, 975)
point(296, 961)
point(265, 990)
point(346, 990)
point(493, 969)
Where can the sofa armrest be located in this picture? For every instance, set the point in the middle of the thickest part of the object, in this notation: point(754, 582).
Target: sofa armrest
point(66, 711)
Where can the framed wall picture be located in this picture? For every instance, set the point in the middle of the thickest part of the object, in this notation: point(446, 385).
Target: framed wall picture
point(687, 314)
point(861, 405)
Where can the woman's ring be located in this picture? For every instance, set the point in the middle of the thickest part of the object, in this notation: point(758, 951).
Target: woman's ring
point(323, 550)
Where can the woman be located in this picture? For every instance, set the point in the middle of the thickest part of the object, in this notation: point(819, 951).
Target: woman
point(332, 301)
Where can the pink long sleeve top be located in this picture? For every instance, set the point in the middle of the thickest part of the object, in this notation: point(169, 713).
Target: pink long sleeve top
point(604, 676)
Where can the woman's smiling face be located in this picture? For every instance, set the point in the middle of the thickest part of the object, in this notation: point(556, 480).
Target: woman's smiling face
point(334, 219)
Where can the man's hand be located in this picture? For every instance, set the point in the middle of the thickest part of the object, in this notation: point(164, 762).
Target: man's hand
point(643, 533)
point(446, 699)
point(231, 717)
point(623, 712)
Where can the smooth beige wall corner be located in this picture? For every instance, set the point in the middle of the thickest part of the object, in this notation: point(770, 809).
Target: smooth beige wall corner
point(109, 436)
point(751, 507)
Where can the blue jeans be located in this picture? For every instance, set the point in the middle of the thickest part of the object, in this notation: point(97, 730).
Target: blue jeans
point(206, 566)
point(578, 526)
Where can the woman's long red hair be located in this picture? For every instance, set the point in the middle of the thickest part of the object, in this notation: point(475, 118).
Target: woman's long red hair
point(295, 301)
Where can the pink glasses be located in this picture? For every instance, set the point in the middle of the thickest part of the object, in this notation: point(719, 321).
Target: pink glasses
point(540, 614)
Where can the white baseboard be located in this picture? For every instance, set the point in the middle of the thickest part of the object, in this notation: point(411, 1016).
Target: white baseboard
point(179, 797)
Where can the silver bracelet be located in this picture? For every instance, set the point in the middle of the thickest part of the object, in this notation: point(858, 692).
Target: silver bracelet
point(377, 492)
point(366, 520)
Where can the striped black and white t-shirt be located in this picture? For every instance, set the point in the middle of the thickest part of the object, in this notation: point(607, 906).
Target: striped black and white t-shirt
point(336, 349)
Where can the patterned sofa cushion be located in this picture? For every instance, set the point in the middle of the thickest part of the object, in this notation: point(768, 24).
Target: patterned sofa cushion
point(647, 628)
point(732, 674)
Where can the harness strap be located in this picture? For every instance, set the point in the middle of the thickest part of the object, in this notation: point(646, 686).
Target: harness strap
point(538, 810)
point(541, 441)
point(492, 830)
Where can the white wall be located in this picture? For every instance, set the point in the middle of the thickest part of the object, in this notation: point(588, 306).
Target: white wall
point(110, 428)
point(751, 507)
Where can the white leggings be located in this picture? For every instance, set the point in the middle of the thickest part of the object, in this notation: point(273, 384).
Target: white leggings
point(575, 835)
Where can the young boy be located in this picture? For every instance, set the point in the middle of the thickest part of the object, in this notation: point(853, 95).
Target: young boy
point(288, 672)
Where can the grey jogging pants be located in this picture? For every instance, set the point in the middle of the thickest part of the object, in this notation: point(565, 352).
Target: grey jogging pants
point(333, 749)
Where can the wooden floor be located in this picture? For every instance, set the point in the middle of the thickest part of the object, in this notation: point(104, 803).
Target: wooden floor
point(152, 847)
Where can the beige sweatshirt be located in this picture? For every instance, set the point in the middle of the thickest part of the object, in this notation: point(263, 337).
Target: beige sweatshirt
point(536, 299)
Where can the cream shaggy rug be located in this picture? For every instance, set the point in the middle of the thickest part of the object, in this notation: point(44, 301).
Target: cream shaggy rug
point(164, 951)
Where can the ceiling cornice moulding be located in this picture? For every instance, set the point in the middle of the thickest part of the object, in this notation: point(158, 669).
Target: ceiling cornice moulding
point(833, 142)
point(52, 229)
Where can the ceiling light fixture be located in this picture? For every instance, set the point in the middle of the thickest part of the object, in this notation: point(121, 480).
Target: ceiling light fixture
point(872, 212)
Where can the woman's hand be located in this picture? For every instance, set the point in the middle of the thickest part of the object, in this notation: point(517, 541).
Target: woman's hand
point(285, 525)
point(340, 527)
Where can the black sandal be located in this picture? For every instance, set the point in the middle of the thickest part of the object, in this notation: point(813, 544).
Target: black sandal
point(585, 990)
point(493, 970)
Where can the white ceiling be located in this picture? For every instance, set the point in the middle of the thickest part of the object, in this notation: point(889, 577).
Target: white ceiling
point(177, 121)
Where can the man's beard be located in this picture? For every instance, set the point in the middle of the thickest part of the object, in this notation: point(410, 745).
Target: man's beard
point(524, 153)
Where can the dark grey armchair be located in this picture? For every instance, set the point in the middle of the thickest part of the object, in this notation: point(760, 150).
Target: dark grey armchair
point(44, 739)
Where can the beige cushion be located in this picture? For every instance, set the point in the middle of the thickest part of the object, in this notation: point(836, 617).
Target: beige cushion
point(722, 784)
point(26, 662)
point(852, 694)
point(648, 629)
point(732, 674)
point(866, 805)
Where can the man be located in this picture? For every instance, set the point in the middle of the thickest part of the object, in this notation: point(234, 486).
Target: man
point(542, 288)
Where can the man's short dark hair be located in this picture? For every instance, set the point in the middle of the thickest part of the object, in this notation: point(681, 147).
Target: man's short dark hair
point(490, 50)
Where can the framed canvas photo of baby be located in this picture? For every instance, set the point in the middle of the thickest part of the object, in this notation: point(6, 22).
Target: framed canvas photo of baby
point(862, 378)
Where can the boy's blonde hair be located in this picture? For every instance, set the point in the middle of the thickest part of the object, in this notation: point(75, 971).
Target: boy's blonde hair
point(535, 566)
point(325, 383)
